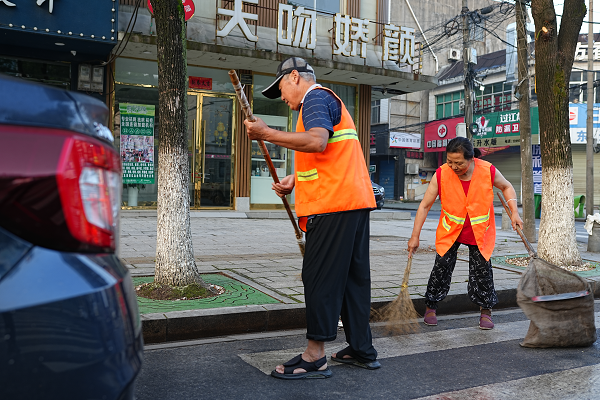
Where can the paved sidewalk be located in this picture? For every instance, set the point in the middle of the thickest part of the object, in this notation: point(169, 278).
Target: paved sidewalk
point(260, 249)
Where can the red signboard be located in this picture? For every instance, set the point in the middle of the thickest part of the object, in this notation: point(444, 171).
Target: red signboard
point(197, 82)
point(438, 133)
point(414, 154)
point(188, 8)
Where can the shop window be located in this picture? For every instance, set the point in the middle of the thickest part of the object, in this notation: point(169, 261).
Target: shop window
point(54, 74)
point(276, 114)
point(494, 97)
point(346, 93)
point(326, 6)
point(448, 105)
point(375, 111)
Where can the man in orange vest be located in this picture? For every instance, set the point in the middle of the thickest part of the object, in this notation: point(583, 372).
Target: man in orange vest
point(465, 186)
point(334, 197)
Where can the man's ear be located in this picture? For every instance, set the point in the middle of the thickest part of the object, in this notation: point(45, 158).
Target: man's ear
point(295, 76)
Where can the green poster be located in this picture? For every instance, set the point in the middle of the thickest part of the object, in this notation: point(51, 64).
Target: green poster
point(503, 128)
point(137, 142)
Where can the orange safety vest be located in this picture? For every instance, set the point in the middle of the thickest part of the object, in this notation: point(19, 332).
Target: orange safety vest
point(478, 204)
point(336, 179)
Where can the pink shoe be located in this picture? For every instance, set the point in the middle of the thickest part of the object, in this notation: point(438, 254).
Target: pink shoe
point(485, 322)
point(430, 317)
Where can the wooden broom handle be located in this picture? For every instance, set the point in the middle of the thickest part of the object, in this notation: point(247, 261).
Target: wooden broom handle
point(239, 91)
point(530, 250)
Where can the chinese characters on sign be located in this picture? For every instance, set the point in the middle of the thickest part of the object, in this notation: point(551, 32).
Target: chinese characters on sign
point(536, 162)
point(137, 142)
point(196, 82)
point(578, 122)
point(405, 140)
point(438, 133)
point(503, 128)
point(418, 155)
point(349, 33)
point(238, 18)
point(297, 27)
point(398, 44)
point(305, 35)
point(38, 2)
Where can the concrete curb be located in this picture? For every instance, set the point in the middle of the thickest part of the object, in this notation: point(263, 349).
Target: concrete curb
point(198, 324)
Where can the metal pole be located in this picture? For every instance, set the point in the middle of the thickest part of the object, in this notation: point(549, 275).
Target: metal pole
point(527, 198)
point(589, 153)
point(467, 78)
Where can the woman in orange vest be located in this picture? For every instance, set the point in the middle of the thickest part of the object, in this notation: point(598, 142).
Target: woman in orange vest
point(465, 186)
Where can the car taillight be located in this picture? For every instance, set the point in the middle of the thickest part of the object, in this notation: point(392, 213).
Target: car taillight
point(89, 184)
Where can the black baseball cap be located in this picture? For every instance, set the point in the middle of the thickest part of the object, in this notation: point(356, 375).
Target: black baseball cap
point(284, 68)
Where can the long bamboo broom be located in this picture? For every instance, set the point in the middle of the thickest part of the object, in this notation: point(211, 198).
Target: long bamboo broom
point(248, 112)
point(400, 314)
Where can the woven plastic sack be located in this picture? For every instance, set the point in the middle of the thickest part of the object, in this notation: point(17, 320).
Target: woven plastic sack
point(557, 323)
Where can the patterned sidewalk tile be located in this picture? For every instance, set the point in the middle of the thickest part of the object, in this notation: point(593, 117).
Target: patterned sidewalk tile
point(236, 294)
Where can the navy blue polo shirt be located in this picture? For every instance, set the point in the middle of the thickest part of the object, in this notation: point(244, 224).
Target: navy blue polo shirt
point(321, 109)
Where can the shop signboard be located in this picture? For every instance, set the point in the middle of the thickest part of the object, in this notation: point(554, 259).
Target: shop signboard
point(439, 133)
point(578, 122)
point(297, 27)
point(502, 128)
point(96, 20)
point(137, 142)
point(404, 140)
point(536, 162)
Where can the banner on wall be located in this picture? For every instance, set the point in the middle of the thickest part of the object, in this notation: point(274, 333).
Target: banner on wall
point(438, 133)
point(404, 140)
point(536, 162)
point(503, 128)
point(137, 142)
point(578, 122)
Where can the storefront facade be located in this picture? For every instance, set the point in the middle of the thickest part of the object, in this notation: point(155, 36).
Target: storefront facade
point(228, 170)
point(43, 42)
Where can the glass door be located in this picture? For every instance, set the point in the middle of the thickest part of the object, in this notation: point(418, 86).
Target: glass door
point(211, 151)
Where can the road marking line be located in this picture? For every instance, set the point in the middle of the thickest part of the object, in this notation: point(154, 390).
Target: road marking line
point(574, 384)
point(398, 346)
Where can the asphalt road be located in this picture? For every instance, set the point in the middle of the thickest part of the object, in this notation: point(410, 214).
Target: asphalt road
point(454, 360)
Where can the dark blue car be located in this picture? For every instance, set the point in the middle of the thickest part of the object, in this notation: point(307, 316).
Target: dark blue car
point(69, 323)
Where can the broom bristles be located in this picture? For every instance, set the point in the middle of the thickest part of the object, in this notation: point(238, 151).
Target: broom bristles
point(400, 314)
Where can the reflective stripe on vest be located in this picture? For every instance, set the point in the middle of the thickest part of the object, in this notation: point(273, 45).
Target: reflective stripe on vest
point(453, 218)
point(445, 224)
point(343, 134)
point(308, 175)
point(480, 220)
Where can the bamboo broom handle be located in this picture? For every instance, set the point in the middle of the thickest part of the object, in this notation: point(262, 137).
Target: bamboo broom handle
point(263, 148)
point(530, 250)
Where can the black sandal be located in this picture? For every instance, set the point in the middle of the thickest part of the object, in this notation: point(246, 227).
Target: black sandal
point(311, 368)
point(339, 357)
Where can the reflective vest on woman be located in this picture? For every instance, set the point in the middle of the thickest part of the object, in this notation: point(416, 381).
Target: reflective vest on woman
point(336, 179)
point(477, 204)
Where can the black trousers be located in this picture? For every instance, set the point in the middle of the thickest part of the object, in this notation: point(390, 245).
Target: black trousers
point(337, 280)
point(480, 287)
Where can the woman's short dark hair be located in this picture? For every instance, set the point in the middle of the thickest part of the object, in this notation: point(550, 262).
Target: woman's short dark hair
point(461, 145)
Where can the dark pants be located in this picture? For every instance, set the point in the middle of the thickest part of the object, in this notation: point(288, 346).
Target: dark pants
point(336, 276)
point(481, 279)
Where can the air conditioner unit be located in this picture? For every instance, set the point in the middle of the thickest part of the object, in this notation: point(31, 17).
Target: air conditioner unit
point(412, 169)
point(453, 54)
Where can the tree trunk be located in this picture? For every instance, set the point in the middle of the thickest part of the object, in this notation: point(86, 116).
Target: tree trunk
point(175, 263)
point(554, 53)
point(525, 117)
